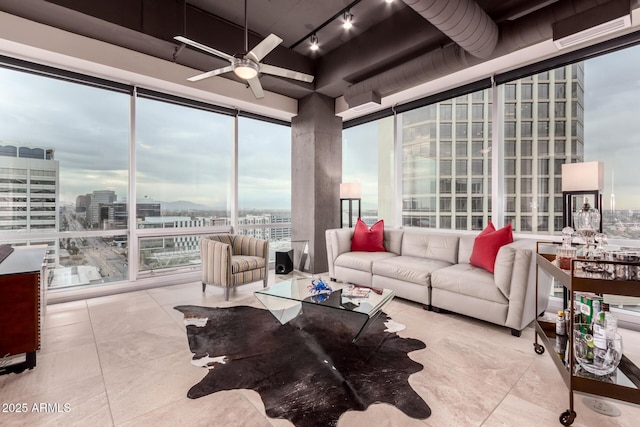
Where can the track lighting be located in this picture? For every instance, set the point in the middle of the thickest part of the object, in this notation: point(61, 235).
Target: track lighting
point(347, 23)
point(314, 42)
point(348, 20)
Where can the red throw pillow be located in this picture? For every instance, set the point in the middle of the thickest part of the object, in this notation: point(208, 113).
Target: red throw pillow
point(368, 240)
point(487, 244)
point(490, 228)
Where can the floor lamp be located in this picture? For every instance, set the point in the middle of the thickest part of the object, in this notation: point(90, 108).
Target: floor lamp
point(349, 191)
point(580, 180)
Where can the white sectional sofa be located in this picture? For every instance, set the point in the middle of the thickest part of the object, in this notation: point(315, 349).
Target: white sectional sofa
point(432, 268)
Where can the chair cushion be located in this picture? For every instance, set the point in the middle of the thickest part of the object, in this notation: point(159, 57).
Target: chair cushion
point(240, 263)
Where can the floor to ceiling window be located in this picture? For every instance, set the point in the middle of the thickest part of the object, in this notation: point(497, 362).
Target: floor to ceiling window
point(121, 187)
point(539, 114)
point(183, 178)
point(446, 163)
point(579, 112)
point(63, 157)
point(611, 129)
point(367, 159)
point(264, 182)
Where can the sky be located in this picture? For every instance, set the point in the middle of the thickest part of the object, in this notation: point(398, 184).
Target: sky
point(184, 153)
point(612, 123)
point(181, 153)
point(360, 161)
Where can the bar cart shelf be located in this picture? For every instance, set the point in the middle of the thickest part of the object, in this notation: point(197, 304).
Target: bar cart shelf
point(624, 383)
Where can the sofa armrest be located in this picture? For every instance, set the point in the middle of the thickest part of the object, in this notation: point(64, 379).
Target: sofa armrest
point(515, 276)
point(215, 257)
point(338, 242)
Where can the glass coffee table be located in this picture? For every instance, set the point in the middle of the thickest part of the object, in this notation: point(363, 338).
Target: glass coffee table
point(287, 300)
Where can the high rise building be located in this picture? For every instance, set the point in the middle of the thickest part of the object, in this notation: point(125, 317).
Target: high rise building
point(29, 187)
point(83, 202)
point(447, 154)
point(115, 215)
point(99, 198)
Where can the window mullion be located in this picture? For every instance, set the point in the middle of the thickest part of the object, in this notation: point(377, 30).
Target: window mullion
point(497, 156)
point(133, 244)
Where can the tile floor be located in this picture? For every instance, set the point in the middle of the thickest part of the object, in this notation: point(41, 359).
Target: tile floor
point(123, 360)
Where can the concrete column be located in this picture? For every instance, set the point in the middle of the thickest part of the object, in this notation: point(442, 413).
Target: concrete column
point(316, 173)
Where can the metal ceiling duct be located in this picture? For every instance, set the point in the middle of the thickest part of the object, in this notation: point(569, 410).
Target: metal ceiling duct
point(518, 34)
point(463, 21)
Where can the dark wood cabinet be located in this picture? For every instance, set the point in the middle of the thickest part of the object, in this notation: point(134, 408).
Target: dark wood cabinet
point(22, 305)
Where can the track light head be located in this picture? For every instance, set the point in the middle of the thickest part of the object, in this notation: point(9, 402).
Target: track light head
point(347, 20)
point(314, 42)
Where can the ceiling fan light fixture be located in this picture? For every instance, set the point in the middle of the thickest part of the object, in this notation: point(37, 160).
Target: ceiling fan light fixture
point(245, 68)
point(247, 65)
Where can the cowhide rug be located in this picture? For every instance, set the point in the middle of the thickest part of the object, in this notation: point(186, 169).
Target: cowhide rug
point(308, 370)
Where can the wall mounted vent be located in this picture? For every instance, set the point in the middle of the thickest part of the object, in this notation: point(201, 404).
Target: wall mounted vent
point(590, 24)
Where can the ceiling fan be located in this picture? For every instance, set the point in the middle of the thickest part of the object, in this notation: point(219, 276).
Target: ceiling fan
point(247, 65)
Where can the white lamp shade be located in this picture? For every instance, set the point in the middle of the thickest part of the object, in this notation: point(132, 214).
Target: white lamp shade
point(587, 176)
point(350, 190)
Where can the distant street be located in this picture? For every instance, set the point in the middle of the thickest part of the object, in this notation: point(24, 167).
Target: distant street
point(111, 261)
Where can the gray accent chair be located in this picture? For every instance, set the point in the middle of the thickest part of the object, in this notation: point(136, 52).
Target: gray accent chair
point(230, 260)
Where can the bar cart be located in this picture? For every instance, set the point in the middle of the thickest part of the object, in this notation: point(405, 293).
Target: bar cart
point(598, 277)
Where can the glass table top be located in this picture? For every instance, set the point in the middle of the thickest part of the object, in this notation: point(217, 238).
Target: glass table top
point(285, 300)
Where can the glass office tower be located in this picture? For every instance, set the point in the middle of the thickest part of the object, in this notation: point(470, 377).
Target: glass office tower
point(447, 152)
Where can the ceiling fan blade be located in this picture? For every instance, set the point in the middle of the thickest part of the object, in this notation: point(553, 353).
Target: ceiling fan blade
point(210, 74)
point(205, 48)
point(256, 87)
point(263, 48)
point(283, 72)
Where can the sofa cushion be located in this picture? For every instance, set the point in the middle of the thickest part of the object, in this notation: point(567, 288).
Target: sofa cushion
point(468, 280)
point(487, 245)
point(408, 269)
point(442, 247)
point(393, 240)
point(465, 248)
point(361, 260)
point(368, 239)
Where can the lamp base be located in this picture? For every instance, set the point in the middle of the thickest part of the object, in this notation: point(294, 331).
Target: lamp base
point(601, 406)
